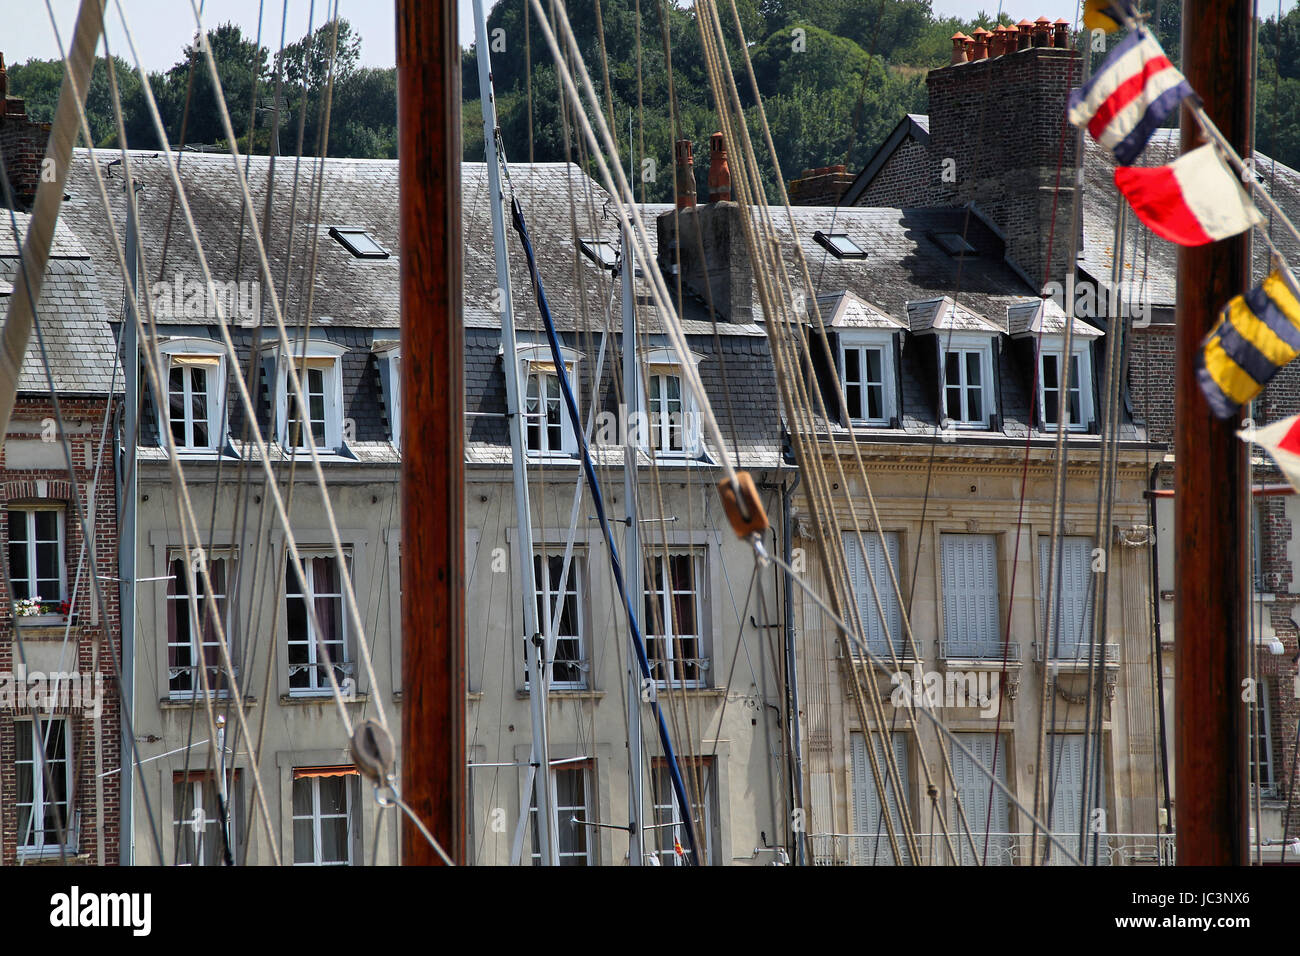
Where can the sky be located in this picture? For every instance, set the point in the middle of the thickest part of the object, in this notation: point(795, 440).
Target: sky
point(161, 28)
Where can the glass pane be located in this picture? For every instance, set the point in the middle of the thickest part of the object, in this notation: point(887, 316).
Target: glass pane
point(875, 401)
point(852, 365)
point(334, 839)
point(1050, 379)
point(302, 797)
point(333, 794)
point(972, 368)
point(873, 365)
point(47, 526)
point(304, 850)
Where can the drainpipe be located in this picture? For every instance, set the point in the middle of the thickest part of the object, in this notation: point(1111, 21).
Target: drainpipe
point(792, 675)
point(126, 543)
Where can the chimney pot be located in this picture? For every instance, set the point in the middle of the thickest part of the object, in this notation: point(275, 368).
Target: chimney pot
point(958, 49)
point(1042, 32)
point(981, 37)
point(685, 161)
point(1024, 34)
point(719, 173)
point(1061, 34)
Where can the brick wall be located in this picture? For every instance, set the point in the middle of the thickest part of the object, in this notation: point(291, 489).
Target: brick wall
point(91, 632)
point(909, 177)
point(22, 143)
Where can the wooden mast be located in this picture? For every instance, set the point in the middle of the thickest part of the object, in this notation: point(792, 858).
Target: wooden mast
point(1211, 475)
point(433, 460)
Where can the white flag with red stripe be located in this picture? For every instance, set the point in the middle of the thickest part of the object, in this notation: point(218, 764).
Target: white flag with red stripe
point(1192, 201)
point(1282, 441)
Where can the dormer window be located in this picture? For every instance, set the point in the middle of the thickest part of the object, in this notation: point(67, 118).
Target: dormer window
point(839, 245)
point(195, 373)
point(388, 353)
point(671, 420)
point(1050, 380)
point(1039, 325)
point(867, 371)
point(547, 428)
point(321, 426)
point(968, 393)
point(953, 243)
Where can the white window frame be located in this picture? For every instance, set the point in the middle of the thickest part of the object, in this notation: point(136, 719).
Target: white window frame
point(194, 347)
point(43, 844)
point(663, 620)
point(961, 344)
point(389, 353)
point(664, 810)
point(317, 687)
point(861, 341)
point(654, 431)
point(544, 593)
point(332, 383)
point(1055, 348)
point(1263, 734)
point(196, 644)
point(316, 817)
point(537, 361)
point(29, 509)
point(563, 814)
point(211, 815)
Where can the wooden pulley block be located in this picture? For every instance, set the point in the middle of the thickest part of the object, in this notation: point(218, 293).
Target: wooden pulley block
point(373, 752)
point(744, 510)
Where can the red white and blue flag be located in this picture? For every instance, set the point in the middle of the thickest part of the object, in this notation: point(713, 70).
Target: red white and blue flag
point(1192, 201)
point(1130, 97)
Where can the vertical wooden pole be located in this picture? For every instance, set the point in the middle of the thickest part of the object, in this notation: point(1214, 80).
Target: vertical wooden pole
point(433, 460)
point(1211, 474)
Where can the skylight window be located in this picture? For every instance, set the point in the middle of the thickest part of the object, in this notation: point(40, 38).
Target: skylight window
point(604, 254)
point(358, 242)
point(953, 244)
point(839, 245)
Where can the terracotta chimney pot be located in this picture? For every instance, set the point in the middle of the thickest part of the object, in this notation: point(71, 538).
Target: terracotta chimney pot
point(958, 49)
point(1061, 34)
point(719, 173)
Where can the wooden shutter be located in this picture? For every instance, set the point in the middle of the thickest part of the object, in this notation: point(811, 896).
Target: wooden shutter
point(970, 594)
point(1066, 788)
point(861, 574)
point(1075, 632)
point(974, 787)
point(867, 849)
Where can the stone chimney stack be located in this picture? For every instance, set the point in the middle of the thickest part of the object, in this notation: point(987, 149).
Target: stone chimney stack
point(719, 173)
point(712, 256)
point(685, 165)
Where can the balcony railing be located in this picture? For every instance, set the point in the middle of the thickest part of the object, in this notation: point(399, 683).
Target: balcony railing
point(1003, 849)
point(987, 652)
point(1074, 654)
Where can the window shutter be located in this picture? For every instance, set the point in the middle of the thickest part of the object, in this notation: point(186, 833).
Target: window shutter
point(1066, 787)
point(867, 849)
point(897, 420)
point(691, 433)
point(861, 573)
point(568, 434)
point(1074, 633)
point(974, 787)
point(970, 594)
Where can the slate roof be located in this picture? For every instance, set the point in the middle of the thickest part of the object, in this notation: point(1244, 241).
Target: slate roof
point(1045, 316)
point(846, 310)
point(1151, 262)
point(72, 314)
point(942, 314)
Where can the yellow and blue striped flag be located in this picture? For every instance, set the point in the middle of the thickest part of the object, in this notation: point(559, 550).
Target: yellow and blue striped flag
point(1107, 15)
point(1259, 332)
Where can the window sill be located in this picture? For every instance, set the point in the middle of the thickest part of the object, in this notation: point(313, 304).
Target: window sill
point(44, 627)
point(185, 703)
point(52, 855)
point(321, 698)
point(564, 693)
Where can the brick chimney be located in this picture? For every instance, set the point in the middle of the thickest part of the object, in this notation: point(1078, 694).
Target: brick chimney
point(821, 187)
point(22, 143)
point(685, 165)
point(999, 121)
point(714, 259)
point(719, 172)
